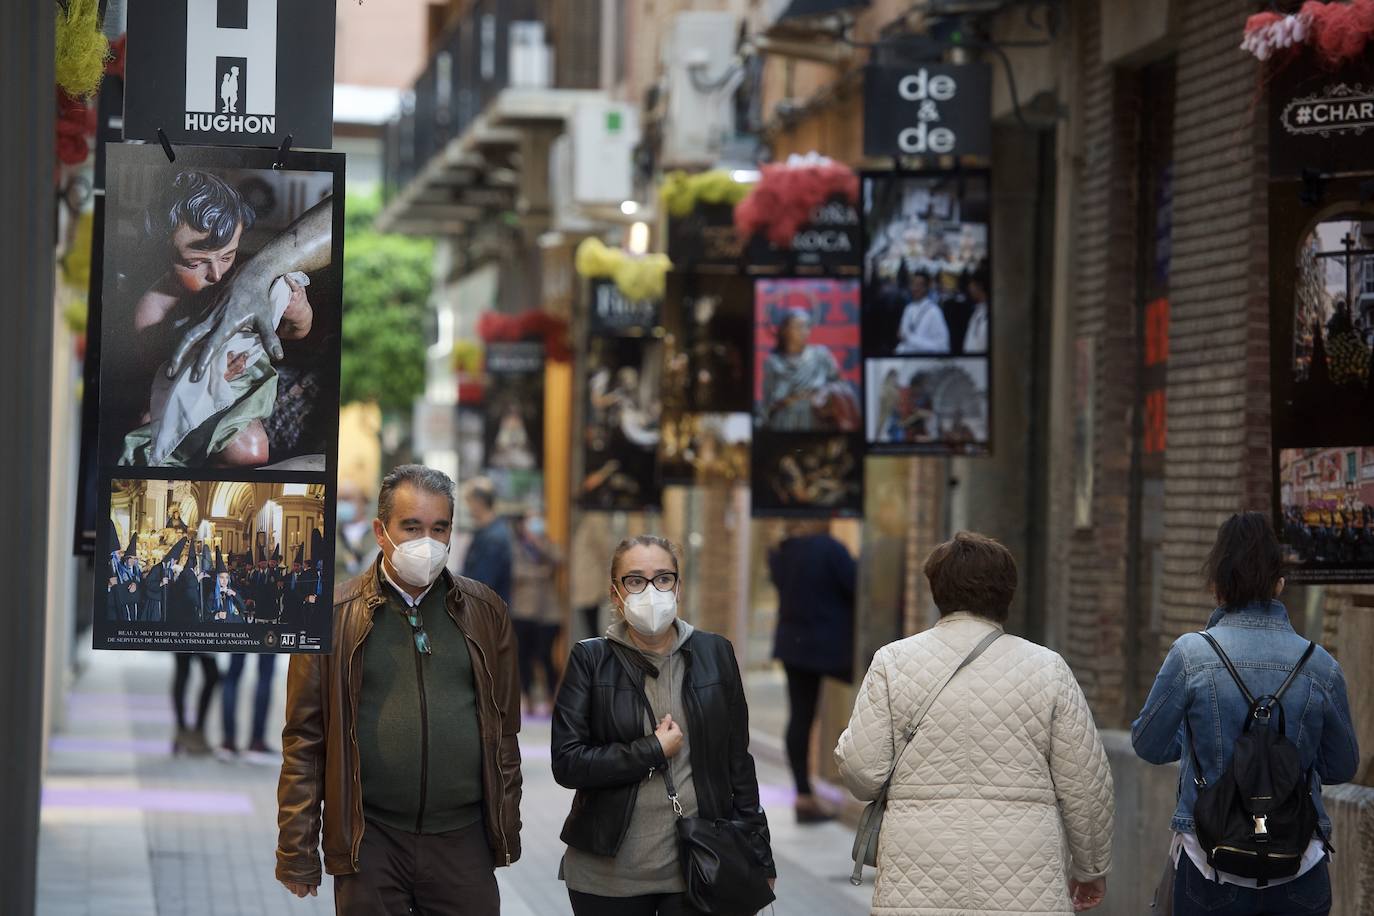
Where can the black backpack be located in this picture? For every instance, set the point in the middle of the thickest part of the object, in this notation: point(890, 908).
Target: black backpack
point(1258, 819)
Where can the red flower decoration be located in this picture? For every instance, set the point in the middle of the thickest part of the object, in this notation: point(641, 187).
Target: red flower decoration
point(530, 325)
point(784, 199)
point(114, 65)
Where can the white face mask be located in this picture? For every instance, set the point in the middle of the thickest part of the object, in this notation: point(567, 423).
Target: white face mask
point(418, 562)
point(651, 612)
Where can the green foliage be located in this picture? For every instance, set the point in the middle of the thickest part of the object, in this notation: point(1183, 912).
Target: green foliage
point(386, 310)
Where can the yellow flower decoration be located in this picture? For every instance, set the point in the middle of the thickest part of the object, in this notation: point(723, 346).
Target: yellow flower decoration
point(76, 265)
point(81, 49)
point(681, 192)
point(637, 278)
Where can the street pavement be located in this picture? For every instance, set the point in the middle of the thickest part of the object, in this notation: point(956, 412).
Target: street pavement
point(129, 830)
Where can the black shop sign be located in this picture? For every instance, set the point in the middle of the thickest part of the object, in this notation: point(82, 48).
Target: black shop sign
point(1320, 121)
point(929, 110)
point(231, 72)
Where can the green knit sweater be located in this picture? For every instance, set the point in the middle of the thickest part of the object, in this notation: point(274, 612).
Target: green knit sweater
point(418, 739)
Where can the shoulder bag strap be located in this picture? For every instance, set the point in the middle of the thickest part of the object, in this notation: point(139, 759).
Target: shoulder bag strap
point(653, 721)
point(909, 732)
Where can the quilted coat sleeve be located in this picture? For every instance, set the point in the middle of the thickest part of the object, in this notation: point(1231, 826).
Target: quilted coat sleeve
point(1082, 780)
point(864, 754)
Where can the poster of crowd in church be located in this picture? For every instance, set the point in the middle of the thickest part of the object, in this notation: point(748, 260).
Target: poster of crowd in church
point(1326, 499)
point(622, 424)
point(513, 422)
point(210, 566)
point(220, 332)
point(807, 475)
point(807, 376)
point(928, 406)
point(927, 289)
point(709, 330)
point(706, 449)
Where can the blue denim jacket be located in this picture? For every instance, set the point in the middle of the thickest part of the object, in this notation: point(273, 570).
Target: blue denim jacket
point(1261, 643)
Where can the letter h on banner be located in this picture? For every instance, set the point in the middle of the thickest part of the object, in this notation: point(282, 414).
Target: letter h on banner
point(256, 43)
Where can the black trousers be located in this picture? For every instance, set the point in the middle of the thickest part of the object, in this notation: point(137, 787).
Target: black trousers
point(210, 670)
point(646, 905)
point(439, 874)
point(534, 650)
point(803, 696)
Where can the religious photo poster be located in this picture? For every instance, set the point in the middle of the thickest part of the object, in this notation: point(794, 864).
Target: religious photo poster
point(807, 376)
point(708, 322)
point(1321, 349)
point(215, 566)
point(220, 345)
point(513, 423)
point(926, 275)
point(222, 300)
point(931, 405)
point(706, 449)
point(622, 421)
point(807, 475)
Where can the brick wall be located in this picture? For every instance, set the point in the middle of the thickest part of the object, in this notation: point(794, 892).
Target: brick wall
point(1103, 284)
point(1218, 455)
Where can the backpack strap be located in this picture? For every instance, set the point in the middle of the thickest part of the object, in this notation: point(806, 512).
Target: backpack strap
point(1230, 668)
point(1302, 663)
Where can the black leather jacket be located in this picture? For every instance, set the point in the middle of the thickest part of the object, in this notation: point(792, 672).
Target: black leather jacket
point(600, 748)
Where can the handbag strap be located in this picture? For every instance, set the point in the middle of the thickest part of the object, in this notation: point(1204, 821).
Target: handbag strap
point(630, 669)
point(909, 732)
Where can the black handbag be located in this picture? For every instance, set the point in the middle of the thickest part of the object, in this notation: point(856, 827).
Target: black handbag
point(722, 859)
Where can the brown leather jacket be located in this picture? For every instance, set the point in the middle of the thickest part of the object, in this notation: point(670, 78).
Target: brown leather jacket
point(320, 741)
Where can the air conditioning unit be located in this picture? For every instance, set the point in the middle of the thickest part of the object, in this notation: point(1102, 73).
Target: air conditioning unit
point(567, 215)
point(531, 60)
point(697, 56)
point(604, 137)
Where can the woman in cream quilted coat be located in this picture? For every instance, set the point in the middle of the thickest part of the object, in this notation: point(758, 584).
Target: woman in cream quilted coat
point(1002, 804)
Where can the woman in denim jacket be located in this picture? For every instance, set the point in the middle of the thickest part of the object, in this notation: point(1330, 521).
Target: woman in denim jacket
point(1245, 572)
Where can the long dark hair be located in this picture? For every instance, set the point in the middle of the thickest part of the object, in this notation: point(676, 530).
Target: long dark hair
point(1246, 562)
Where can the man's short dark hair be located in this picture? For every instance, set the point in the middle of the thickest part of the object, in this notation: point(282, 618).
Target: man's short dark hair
point(204, 202)
point(1246, 562)
point(972, 573)
point(425, 479)
point(481, 490)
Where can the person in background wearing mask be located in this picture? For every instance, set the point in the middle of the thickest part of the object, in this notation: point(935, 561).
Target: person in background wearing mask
point(488, 558)
point(357, 547)
point(622, 855)
point(536, 612)
point(417, 710)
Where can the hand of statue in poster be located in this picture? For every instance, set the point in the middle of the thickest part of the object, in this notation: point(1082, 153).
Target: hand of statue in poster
point(244, 304)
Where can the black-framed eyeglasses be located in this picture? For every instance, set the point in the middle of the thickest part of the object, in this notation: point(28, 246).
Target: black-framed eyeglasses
point(664, 582)
point(417, 629)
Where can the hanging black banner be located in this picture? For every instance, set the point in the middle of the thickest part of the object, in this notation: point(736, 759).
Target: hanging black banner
point(928, 110)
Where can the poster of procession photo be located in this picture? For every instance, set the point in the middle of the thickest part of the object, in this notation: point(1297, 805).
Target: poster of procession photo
point(927, 405)
point(807, 475)
point(926, 272)
point(1321, 348)
point(708, 321)
point(513, 423)
point(221, 309)
point(622, 424)
point(214, 566)
point(1327, 501)
point(806, 356)
point(706, 449)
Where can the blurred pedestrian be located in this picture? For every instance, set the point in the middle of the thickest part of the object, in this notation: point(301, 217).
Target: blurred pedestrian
point(591, 538)
point(357, 547)
point(536, 612)
point(650, 718)
point(401, 746)
point(1196, 712)
point(488, 558)
point(258, 751)
point(815, 576)
point(1005, 803)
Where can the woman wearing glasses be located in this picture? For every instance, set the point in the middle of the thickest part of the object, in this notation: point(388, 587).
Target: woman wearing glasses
point(622, 855)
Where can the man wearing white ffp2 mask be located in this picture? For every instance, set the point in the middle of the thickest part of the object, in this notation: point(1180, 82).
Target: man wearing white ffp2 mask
point(422, 660)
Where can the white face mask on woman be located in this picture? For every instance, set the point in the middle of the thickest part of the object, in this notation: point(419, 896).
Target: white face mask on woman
point(418, 562)
point(651, 612)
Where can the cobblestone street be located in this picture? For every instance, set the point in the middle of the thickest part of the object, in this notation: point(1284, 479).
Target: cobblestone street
point(128, 830)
